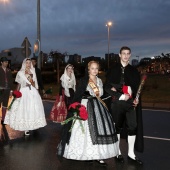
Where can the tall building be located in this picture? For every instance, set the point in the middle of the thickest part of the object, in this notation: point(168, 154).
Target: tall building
point(145, 61)
point(90, 58)
point(135, 62)
point(75, 58)
point(113, 58)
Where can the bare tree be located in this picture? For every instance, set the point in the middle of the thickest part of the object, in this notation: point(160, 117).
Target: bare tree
point(57, 58)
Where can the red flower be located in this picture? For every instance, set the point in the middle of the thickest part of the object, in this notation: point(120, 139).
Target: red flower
point(79, 112)
point(17, 94)
point(74, 105)
point(83, 113)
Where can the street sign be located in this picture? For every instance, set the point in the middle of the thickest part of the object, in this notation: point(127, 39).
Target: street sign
point(23, 51)
point(26, 44)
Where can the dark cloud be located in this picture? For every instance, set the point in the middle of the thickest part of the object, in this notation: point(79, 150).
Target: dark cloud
point(78, 26)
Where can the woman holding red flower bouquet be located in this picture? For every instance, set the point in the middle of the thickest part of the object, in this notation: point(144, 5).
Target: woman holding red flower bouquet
point(93, 138)
point(27, 111)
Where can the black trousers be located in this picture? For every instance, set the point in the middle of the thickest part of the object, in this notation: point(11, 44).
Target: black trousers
point(124, 112)
point(4, 97)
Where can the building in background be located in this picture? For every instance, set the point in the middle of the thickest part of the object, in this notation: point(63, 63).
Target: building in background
point(135, 62)
point(113, 58)
point(15, 55)
point(75, 58)
point(90, 58)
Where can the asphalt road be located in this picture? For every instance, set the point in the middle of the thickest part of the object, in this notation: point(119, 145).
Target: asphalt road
point(38, 151)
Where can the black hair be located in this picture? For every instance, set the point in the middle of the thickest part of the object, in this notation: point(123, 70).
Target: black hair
point(33, 58)
point(125, 48)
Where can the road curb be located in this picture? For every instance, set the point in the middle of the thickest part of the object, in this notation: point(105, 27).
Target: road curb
point(164, 106)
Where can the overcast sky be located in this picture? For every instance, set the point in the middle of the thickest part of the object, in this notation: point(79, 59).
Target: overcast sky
point(78, 26)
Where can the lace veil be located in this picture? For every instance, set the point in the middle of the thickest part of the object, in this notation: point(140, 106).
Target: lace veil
point(64, 81)
point(21, 78)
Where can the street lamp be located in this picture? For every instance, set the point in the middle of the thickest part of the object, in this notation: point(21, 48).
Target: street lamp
point(38, 33)
point(108, 25)
point(5, 1)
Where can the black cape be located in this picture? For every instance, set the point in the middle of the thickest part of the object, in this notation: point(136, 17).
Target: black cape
point(131, 78)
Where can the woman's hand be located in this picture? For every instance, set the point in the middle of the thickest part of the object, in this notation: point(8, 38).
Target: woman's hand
point(33, 83)
point(113, 89)
point(10, 94)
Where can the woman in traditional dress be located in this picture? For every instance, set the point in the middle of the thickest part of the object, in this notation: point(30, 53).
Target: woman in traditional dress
point(66, 94)
point(99, 140)
point(27, 112)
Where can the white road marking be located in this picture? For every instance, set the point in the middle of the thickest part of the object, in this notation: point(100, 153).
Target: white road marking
point(150, 137)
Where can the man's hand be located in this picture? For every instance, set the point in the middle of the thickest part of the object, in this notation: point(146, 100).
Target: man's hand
point(127, 96)
point(135, 102)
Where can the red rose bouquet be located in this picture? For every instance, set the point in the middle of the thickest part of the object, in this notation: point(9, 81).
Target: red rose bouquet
point(80, 113)
point(16, 94)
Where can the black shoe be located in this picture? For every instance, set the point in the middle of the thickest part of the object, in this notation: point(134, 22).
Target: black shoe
point(2, 122)
point(137, 160)
point(119, 158)
point(101, 162)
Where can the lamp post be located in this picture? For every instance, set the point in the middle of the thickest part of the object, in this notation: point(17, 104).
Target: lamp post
point(109, 24)
point(38, 34)
point(5, 1)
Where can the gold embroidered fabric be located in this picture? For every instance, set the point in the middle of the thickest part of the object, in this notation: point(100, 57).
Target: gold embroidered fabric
point(96, 91)
point(94, 87)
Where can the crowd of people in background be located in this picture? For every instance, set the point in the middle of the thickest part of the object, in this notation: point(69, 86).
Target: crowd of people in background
point(95, 139)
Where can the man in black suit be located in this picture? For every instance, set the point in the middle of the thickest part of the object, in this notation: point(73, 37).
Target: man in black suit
point(122, 84)
point(38, 75)
point(6, 82)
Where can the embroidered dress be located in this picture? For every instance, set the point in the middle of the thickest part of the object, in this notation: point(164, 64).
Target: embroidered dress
point(66, 93)
point(99, 140)
point(27, 112)
point(58, 112)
